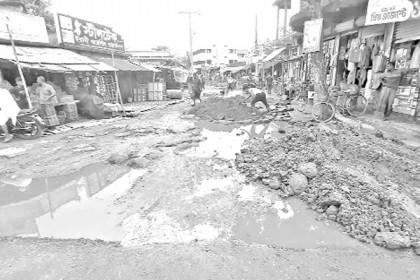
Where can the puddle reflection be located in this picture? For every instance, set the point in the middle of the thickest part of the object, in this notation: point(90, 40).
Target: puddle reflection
point(224, 141)
point(72, 206)
point(292, 226)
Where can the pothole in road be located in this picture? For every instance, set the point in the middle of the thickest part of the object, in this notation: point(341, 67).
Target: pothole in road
point(291, 225)
point(224, 141)
point(78, 205)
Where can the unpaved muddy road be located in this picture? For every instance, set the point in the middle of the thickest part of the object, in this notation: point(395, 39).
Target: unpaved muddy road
point(159, 197)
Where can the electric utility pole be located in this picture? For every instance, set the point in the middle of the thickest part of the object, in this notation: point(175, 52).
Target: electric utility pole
point(190, 13)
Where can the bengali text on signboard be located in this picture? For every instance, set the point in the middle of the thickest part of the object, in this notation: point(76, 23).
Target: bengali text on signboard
point(385, 11)
point(84, 33)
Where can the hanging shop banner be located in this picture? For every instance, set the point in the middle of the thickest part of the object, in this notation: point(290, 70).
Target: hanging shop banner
point(23, 27)
point(384, 11)
point(80, 32)
point(312, 36)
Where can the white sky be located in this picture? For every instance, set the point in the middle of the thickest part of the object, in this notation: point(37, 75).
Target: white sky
point(148, 23)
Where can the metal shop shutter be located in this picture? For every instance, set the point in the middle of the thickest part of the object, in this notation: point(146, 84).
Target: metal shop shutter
point(407, 31)
point(373, 31)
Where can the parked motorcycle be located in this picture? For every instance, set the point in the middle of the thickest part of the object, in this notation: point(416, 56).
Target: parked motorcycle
point(28, 126)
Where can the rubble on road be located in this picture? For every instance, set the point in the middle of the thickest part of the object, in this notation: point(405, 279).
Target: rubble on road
point(369, 185)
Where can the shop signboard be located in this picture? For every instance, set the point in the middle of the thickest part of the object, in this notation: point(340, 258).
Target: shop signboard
point(385, 11)
point(79, 32)
point(23, 27)
point(312, 34)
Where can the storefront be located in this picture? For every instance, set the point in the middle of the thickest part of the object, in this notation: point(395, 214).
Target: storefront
point(67, 72)
point(101, 44)
point(406, 55)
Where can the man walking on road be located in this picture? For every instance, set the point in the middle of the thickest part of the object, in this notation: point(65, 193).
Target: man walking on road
point(196, 88)
point(390, 82)
point(269, 81)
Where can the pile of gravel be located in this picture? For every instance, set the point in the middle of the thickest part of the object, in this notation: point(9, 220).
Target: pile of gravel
point(369, 185)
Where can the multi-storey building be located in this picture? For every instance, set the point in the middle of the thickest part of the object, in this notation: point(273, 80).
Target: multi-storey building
point(219, 55)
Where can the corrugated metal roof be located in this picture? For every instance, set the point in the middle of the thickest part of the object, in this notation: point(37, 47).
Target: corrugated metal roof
point(121, 64)
point(148, 66)
point(80, 67)
point(47, 68)
point(100, 66)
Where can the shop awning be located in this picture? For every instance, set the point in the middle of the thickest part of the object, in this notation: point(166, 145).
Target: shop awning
point(121, 65)
point(43, 55)
point(51, 59)
point(80, 67)
point(150, 67)
point(273, 55)
point(47, 68)
point(103, 67)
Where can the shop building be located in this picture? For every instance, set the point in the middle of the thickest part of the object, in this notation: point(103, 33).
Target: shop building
point(359, 37)
point(38, 57)
point(218, 55)
point(103, 45)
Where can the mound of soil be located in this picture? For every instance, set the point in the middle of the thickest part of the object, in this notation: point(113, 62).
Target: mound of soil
point(369, 185)
point(233, 109)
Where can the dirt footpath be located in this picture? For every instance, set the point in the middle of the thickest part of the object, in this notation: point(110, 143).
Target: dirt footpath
point(189, 213)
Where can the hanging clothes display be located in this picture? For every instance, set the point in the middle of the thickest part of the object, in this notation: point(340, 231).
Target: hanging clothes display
point(379, 63)
point(365, 57)
point(355, 53)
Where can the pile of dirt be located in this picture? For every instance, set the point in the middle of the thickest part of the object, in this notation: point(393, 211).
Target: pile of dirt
point(231, 109)
point(236, 109)
point(369, 185)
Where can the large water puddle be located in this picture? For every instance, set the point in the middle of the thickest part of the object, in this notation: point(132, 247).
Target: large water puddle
point(224, 141)
point(78, 205)
point(290, 225)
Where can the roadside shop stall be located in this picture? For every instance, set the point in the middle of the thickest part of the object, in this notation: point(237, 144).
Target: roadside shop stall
point(67, 72)
point(406, 55)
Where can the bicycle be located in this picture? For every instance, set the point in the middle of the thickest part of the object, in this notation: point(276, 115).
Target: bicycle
point(353, 104)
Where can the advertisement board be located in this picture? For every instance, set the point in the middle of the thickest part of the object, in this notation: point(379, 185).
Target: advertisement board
point(312, 35)
point(385, 11)
point(79, 32)
point(23, 27)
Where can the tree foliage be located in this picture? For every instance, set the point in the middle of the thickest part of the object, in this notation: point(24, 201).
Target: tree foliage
point(40, 8)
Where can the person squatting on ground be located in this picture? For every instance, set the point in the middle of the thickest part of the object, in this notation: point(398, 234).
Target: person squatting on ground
point(231, 82)
point(197, 87)
point(257, 95)
point(9, 110)
point(390, 83)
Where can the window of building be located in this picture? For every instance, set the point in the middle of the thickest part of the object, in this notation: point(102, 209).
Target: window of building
point(208, 50)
